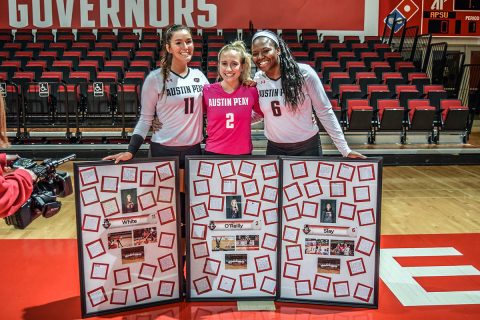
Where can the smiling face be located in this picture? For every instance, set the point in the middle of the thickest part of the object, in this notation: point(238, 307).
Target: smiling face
point(265, 55)
point(181, 46)
point(230, 66)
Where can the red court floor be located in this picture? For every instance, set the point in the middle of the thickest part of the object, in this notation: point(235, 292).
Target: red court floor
point(39, 280)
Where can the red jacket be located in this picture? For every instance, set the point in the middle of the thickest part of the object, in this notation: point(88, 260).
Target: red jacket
point(15, 189)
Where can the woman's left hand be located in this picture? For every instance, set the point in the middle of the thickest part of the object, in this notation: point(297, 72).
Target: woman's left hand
point(356, 155)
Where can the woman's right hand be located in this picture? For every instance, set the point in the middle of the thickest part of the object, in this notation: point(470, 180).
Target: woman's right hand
point(122, 156)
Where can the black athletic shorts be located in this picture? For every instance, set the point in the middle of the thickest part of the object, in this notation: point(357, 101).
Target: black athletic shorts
point(310, 147)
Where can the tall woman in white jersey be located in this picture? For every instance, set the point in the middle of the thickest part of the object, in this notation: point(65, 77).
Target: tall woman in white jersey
point(287, 92)
point(173, 93)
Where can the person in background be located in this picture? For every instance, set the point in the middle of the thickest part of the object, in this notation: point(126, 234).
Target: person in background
point(15, 186)
point(289, 92)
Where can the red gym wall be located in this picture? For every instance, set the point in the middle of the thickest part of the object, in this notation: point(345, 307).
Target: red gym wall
point(281, 14)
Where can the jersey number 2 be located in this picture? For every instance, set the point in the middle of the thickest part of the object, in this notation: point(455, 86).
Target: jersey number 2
point(230, 119)
point(276, 108)
point(188, 105)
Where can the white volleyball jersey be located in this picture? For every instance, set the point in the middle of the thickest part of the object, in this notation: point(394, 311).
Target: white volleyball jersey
point(285, 126)
point(179, 109)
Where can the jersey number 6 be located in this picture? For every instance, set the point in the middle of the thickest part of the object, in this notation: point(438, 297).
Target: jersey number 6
point(276, 108)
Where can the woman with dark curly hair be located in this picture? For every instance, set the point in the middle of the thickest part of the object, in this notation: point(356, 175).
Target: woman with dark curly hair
point(288, 91)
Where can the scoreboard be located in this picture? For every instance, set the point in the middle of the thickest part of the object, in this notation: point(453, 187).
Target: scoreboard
point(451, 17)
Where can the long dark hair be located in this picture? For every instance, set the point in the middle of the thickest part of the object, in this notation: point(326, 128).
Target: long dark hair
point(166, 58)
point(292, 78)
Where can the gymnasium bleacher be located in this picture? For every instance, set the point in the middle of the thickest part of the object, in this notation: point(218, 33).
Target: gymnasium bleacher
point(377, 85)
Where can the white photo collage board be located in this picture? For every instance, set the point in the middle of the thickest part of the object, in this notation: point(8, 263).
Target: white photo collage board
point(232, 227)
point(329, 231)
point(128, 234)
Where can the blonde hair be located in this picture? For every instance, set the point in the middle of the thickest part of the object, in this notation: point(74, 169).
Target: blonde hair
point(245, 58)
point(3, 125)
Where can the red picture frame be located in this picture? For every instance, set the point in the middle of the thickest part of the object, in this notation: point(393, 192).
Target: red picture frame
point(341, 211)
point(359, 245)
point(291, 187)
point(317, 277)
point(91, 218)
point(196, 282)
point(204, 246)
point(97, 241)
point(171, 237)
point(105, 202)
point(83, 192)
point(146, 265)
point(114, 301)
point(252, 213)
point(214, 208)
point(165, 219)
point(297, 247)
point(287, 212)
point(269, 281)
point(296, 230)
point(162, 285)
point(199, 226)
point(265, 187)
point(355, 194)
point(242, 171)
point(362, 167)
point(355, 293)
point(345, 166)
point(141, 287)
point(102, 188)
point(102, 290)
point(298, 282)
point(304, 208)
point(204, 167)
point(143, 182)
point(300, 163)
point(144, 197)
point(275, 170)
point(339, 283)
point(223, 289)
point(196, 186)
point(124, 169)
point(254, 193)
point(268, 214)
point(288, 268)
point(249, 275)
point(224, 166)
point(362, 214)
point(192, 211)
point(272, 236)
point(165, 171)
point(349, 265)
point(339, 195)
point(313, 182)
point(215, 271)
point(266, 268)
point(162, 198)
point(106, 265)
point(126, 269)
point(82, 180)
point(167, 258)
point(234, 182)
point(325, 170)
